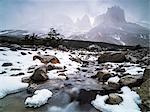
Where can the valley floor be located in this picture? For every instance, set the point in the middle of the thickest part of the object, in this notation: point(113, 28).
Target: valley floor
point(73, 86)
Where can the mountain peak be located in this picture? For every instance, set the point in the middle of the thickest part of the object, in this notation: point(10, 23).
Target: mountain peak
point(115, 14)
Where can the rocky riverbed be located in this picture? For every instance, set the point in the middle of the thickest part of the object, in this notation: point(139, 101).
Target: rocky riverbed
point(45, 79)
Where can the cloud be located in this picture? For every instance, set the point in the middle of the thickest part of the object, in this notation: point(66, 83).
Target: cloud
point(22, 13)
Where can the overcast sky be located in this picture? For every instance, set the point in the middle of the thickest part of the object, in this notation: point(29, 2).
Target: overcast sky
point(16, 14)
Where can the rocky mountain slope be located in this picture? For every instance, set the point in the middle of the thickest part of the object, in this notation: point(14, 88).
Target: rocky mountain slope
point(112, 27)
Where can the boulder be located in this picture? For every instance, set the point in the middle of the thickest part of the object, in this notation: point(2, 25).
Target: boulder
point(26, 80)
point(119, 69)
point(53, 66)
point(114, 85)
point(86, 96)
point(63, 48)
point(131, 80)
point(40, 74)
point(146, 60)
point(145, 96)
point(103, 76)
point(6, 64)
point(131, 59)
point(15, 47)
point(76, 59)
point(46, 59)
point(144, 90)
point(94, 48)
point(31, 88)
point(112, 57)
point(146, 74)
point(114, 99)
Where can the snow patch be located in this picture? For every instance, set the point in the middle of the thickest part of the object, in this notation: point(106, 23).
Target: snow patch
point(114, 79)
point(117, 37)
point(39, 98)
point(10, 85)
point(130, 103)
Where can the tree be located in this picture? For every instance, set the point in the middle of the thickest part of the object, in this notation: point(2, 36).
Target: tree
point(54, 38)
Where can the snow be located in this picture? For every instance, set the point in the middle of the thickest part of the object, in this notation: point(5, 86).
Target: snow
point(130, 103)
point(10, 85)
point(53, 74)
point(13, 83)
point(134, 70)
point(130, 68)
point(39, 98)
point(114, 79)
point(117, 37)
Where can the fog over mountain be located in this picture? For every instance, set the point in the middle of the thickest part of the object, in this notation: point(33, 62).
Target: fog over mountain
point(112, 27)
point(114, 21)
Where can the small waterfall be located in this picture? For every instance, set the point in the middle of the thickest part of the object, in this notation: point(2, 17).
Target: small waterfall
point(71, 107)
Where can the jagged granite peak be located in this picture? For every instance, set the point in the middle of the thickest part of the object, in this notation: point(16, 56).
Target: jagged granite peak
point(113, 15)
point(116, 14)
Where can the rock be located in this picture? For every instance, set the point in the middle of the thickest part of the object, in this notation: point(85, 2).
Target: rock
point(137, 47)
point(3, 72)
point(46, 59)
point(111, 88)
point(114, 85)
point(29, 53)
point(6, 64)
point(145, 96)
point(23, 53)
point(15, 69)
point(111, 57)
point(13, 49)
point(31, 68)
point(114, 99)
point(94, 48)
point(52, 67)
point(2, 50)
point(131, 59)
point(146, 60)
point(26, 79)
point(31, 88)
point(146, 74)
point(19, 74)
point(40, 74)
point(144, 90)
point(63, 48)
point(86, 96)
point(131, 81)
point(103, 76)
point(118, 69)
point(142, 56)
point(76, 59)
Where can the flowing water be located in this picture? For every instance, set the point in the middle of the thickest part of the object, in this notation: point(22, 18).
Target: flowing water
point(58, 103)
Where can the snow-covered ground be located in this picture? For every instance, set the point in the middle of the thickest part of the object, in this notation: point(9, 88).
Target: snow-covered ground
point(130, 68)
point(130, 103)
point(11, 84)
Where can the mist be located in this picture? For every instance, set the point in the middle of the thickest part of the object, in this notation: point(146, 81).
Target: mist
point(42, 14)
